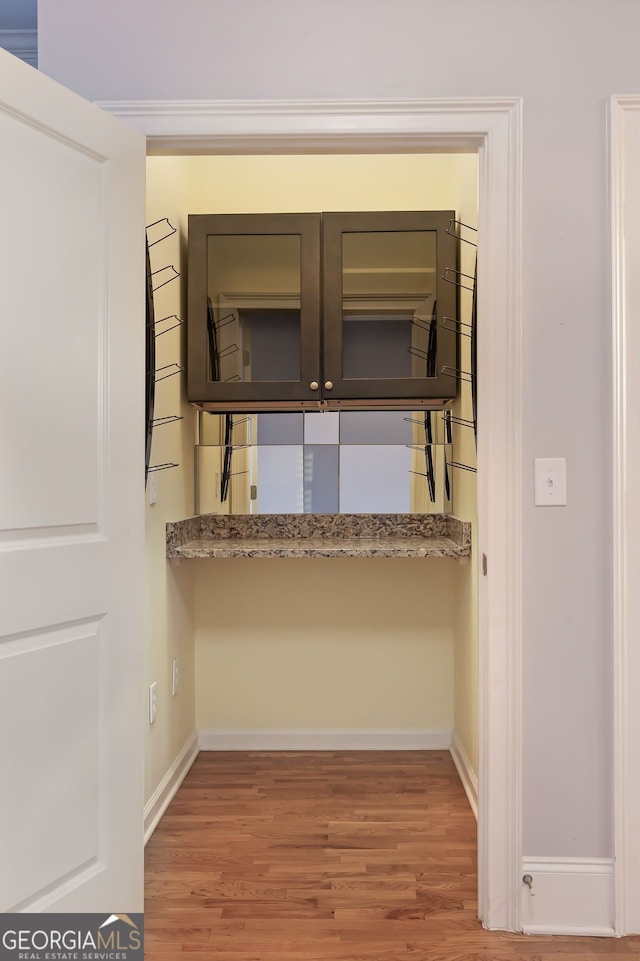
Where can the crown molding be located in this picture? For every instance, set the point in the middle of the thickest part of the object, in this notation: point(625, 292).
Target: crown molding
point(22, 44)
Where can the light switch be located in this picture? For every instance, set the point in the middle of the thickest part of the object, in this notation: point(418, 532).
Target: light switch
point(550, 481)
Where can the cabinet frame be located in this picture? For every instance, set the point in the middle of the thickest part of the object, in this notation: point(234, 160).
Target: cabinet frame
point(321, 316)
point(207, 393)
point(442, 386)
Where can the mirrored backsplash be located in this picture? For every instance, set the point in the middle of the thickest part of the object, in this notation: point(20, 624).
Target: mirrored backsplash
point(347, 462)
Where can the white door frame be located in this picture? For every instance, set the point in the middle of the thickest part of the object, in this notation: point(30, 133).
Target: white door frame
point(624, 152)
point(492, 127)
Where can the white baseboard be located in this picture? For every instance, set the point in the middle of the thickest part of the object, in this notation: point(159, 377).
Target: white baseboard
point(320, 740)
point(468, 776)
point(572, 896)
point(164, 793)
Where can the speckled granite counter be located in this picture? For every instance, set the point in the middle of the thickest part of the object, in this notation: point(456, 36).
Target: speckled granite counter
point(319, 535)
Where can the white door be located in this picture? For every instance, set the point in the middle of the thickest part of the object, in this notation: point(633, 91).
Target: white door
point(71, 500)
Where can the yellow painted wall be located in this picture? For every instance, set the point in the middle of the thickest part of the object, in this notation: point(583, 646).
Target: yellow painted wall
point(300, 184)
point(318, 643)
point(169, 627)
point(324, 643)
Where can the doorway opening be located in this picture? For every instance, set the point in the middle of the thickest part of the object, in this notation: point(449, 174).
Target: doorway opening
point(493, 130)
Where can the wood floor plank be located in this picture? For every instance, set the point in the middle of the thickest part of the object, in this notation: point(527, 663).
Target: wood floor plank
point(328, 856)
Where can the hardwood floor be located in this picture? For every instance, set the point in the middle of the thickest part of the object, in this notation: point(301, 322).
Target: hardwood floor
point(328, 856)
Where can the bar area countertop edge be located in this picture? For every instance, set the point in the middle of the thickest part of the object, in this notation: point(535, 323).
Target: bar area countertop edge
point(319, 535)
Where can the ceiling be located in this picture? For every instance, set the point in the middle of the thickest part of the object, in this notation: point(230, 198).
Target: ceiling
point(18, 14)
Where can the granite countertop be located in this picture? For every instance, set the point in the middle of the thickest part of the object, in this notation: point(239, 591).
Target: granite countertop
point(319, 535)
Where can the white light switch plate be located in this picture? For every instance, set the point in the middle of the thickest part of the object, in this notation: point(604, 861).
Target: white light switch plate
point(550, 481)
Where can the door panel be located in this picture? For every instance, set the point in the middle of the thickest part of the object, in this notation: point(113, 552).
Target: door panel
point(53, 321)
point(55, 785)
point(385, 299)
point(71, 500)
point(254, 309)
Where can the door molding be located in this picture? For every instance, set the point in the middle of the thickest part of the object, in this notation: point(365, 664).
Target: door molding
point(493, 129)
point(624, 151)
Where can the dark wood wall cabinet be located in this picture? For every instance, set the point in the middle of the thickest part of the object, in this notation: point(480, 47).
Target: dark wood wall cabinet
point(341, 310)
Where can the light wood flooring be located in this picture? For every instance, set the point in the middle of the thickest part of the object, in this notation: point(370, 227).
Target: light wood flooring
point(328, 856)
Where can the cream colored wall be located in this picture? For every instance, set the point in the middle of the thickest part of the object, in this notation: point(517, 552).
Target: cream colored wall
point(169, 627)
point(300, 184)
point(318, 643)
point(465, 506)
point(308, 643)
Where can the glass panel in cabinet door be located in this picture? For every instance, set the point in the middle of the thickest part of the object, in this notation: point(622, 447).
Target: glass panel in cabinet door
point(254, 300)
point(388, 304)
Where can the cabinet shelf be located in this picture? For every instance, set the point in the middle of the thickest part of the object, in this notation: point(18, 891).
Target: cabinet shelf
point(388, 270)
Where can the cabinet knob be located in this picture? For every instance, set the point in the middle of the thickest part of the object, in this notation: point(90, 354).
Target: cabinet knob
point(328, 385)
point(314, 385)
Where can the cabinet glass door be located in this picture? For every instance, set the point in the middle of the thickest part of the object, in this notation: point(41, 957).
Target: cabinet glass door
point(385, 298)
point(254, 308)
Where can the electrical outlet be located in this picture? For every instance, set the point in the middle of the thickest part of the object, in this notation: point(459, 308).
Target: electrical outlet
point(175, 675)
point(153, 488)
point(153, 701)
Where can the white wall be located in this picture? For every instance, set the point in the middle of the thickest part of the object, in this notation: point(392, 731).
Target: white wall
point(564, 58)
